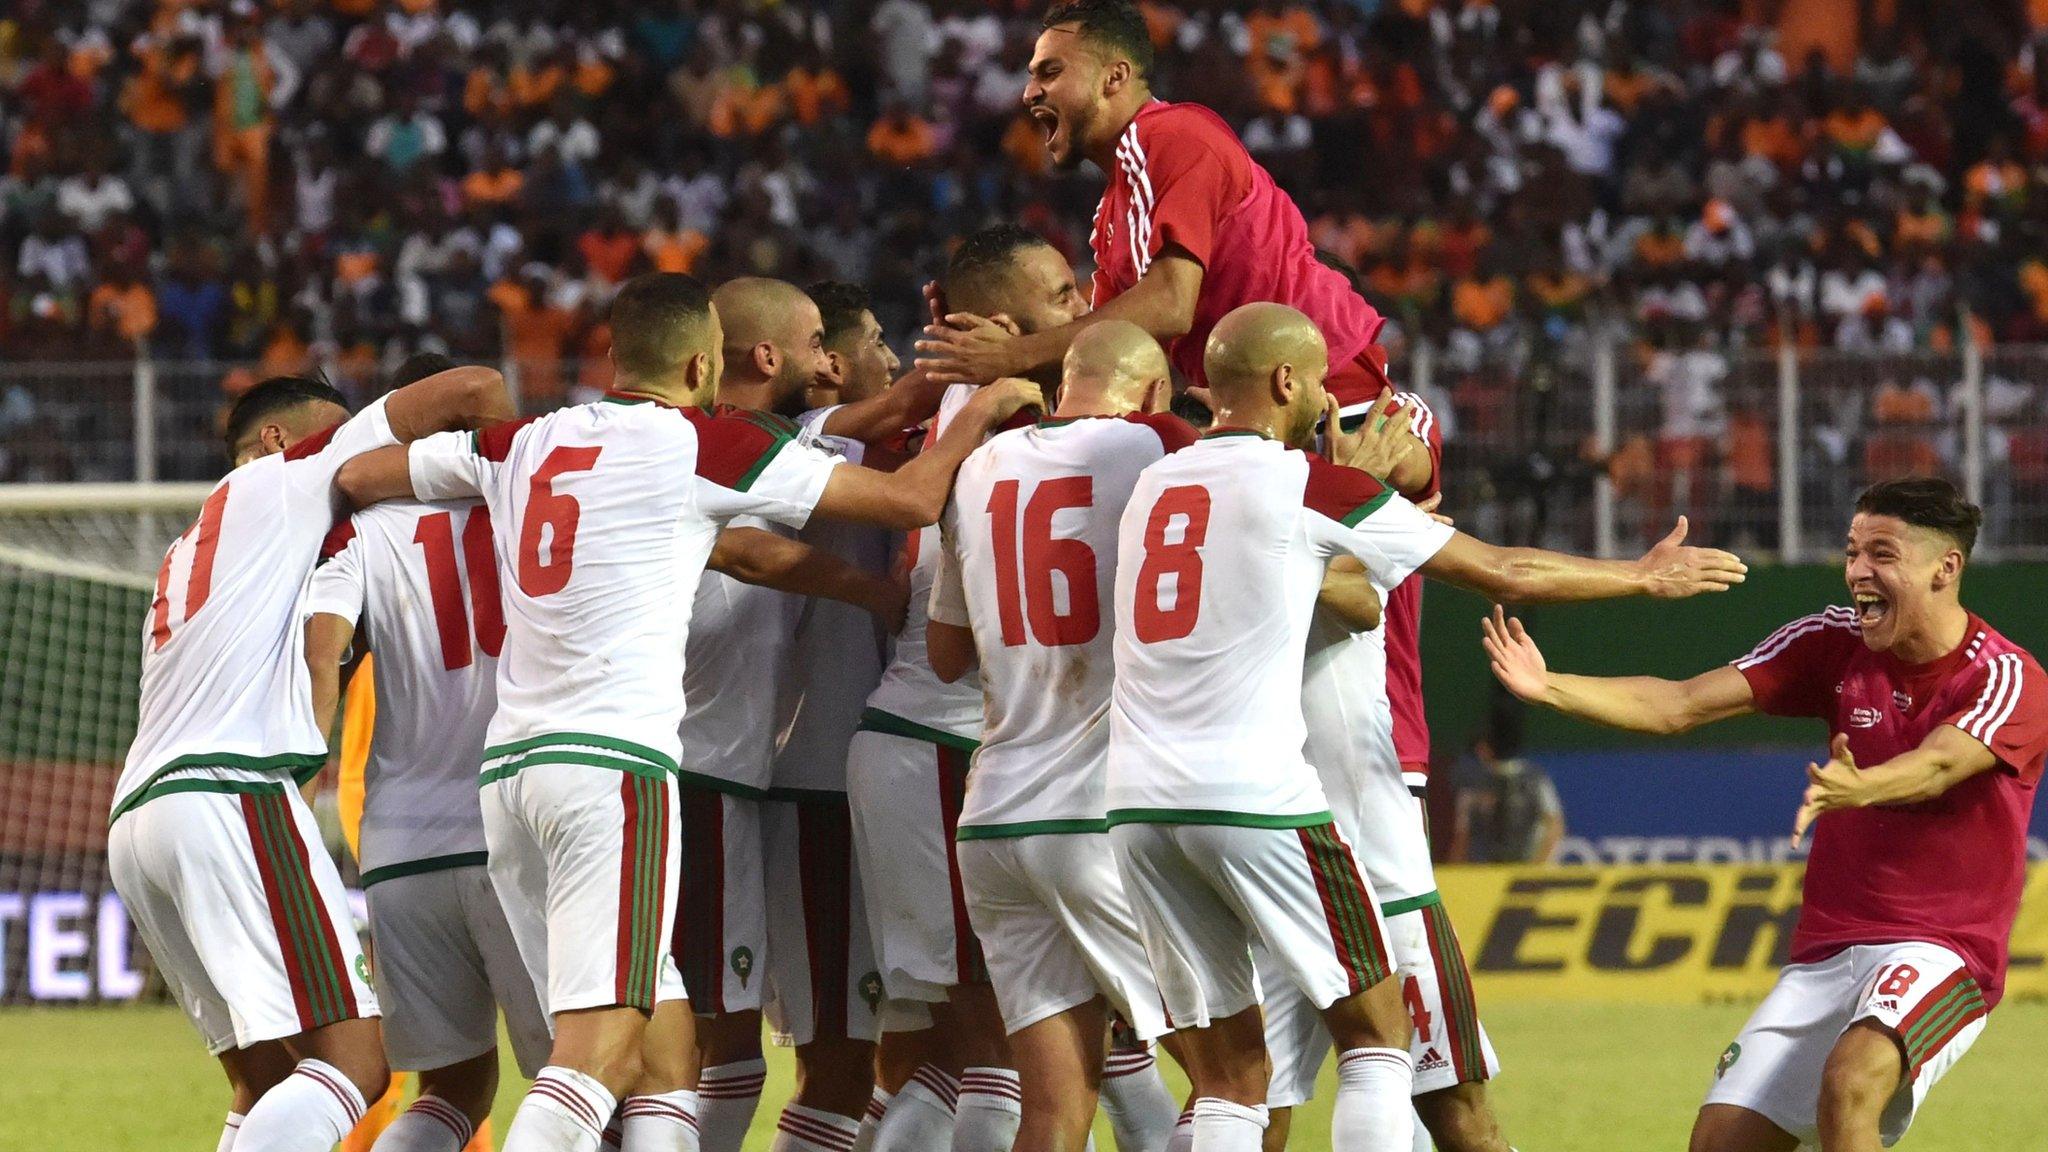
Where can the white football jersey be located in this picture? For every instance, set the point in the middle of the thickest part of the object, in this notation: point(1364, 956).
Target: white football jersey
point(420, 582)
point(736, 678)
point(225, 693)
point(1220, 557)
point(1031, 545)
point(605, 515)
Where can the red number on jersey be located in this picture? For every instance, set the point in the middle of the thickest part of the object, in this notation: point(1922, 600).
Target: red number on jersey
point(559, 515)
point(204, 536)
point(1418, 1008)
point(436, 537)
point(1899, 982)
point(1182, 559)
point(1042, 555)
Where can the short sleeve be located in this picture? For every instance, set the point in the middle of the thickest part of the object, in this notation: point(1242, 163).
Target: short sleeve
point(310, 464)
point(749, 464)
point(1793, 672)
point(1387, 534)
point(2007, 712)
point(337, 587)
point(1186, 175)
point(455, 465)
point(1431, 433)
point(948, 603)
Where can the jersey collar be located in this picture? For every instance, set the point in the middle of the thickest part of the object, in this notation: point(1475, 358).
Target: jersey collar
point(1224, 431)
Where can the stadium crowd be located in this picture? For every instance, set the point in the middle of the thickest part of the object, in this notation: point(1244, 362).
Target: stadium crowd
point(285, 182)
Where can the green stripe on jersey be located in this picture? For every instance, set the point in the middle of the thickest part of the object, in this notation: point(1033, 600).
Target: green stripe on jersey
point(1368, 508)
point(565, 755)
point(302, 766)
point(585, 739)
point(1215, 816)
point(888, 723)
point(1392, 908)
point(1030, 828)
point(429, 864)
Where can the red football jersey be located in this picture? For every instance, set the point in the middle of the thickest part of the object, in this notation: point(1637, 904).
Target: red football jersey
point(1182, 177)
point(1949, 870)
point(1404, 620)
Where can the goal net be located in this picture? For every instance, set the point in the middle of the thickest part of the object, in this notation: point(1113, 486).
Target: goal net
point(78, 567)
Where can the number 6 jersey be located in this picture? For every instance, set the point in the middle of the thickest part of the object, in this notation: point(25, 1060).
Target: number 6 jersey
point(605, 515)
point(1220, 557)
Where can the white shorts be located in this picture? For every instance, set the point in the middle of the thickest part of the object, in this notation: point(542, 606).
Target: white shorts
point(242, 910)
point(584, 861)
point(1057, 930)
point(1389, 806)
point(721, 933)
point(1204, 892)
point(905, 796)
point(445, 962)
point(1448, 1043)
point(821, 978)
point(1921, 992)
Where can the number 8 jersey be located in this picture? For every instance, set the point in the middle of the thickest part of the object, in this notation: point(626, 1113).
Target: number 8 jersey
point(605, 515)
point(1220, 557)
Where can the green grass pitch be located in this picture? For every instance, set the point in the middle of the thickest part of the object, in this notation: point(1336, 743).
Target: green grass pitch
point(1583, 1078)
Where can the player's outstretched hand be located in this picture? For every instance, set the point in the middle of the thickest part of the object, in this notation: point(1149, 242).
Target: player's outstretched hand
point(1677, 571)
point(1517, 662)
point(962, 348)
point(1001, 400)
point(1828, 787)
point(1380, 442)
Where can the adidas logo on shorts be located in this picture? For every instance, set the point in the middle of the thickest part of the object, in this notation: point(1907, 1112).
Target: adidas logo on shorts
point(1431, 1061)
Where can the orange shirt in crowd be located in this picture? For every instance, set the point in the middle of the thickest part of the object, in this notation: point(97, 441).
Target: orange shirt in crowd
point(903, 143)
point(743, 109)
point(481, 187)
point(533, 87)
point(284, 354)
point(1024, 144)
point(675, 251)
point(1482, 304)
point(610, 255)
point(1752, 457)
point(150, 103)
point(1775, 138)
point(1856, 131)
point(815, 95)
point(534, 332)
point(485, 91)
point(129, 312)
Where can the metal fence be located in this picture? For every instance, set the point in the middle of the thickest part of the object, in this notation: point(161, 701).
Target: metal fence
point(1594, 444)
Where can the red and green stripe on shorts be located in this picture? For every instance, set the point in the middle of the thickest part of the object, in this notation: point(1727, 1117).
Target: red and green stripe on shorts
point(1360, 945)
point(643, 874)
point(1941, 1016)
point(314, 960)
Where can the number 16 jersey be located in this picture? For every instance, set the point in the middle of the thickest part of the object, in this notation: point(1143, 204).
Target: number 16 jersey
point(1220, 557)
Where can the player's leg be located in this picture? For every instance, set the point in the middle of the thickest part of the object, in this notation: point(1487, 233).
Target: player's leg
point(1453, 1056)
point(1766, 1090)
point(1134, 1098)
point(1297, 1044)
point(1919, 1010)
point(1731, 1128)
point(720, 944)
point(908, 1043)
point(659, 1114)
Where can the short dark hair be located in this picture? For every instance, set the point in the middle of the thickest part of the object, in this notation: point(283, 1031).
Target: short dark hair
point(650, 317)
point(277, 394)
point(419, 366)
point(840, 305)
point(1119, 24)
point(986, 253)
point(1926, 502)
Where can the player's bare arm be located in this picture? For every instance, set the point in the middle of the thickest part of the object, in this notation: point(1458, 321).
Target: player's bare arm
point(1670, 571)
point(1636, 703)
point(384, 474)
point(1945, 759)
point(329, 643)
point(915, 494)
point(968, 349)
point(470, 396)
point(770, 560)
point(950, 647)
point(908, 402)
point(1349, 593)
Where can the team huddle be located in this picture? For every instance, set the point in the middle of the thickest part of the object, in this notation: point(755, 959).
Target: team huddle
point(974, 729)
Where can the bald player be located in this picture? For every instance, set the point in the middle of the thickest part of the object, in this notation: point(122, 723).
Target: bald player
point(1221, 827)
point(1025, 573)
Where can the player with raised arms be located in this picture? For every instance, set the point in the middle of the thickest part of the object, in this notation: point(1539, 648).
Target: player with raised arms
point(213, 851)
point(1221, 827)
point(607, 514)
point(1938, 727)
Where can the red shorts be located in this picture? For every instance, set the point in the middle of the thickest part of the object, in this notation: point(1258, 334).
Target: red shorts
point(1358, 381)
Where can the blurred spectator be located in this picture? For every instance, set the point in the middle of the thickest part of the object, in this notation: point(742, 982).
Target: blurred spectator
point(1507, 810)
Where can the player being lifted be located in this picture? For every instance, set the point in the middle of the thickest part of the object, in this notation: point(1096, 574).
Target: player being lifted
point(1221, 834)
point(1021, 591)
point(1189, 227)
point(1938, 726)
point(608, 513)
point(212, 849)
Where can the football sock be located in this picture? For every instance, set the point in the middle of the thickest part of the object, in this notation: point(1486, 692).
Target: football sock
point(430, 1125)
point(801, 1129)
point(614, 1134)
point(1221, 1126)
point(564, 1111)
point(991, 1105)
point(228, 1132)
point(309, 1110)
point(921, 1117)
point(1141, 1112)
point(1374, 1112)
point(666, 1122)
point(1183, 1137)
point(727, 1095)
point(878, 1107)
point(1422, 1142)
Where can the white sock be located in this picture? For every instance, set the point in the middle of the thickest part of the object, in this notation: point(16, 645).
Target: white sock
point(1221, 1126)
point(311, 1109)
point(430, 1125)
point(666, 1122)
point(801, 1129)
point(1422, 1143)
point(1183, 1138)
point(1141, 1112)
point(878, 1107)
point(614, 1134)
point(727, 1095)
point(921, 1117)
point(991, 1104)
point(228, 1132)
point(1374, 1111)
point(564, 1111)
